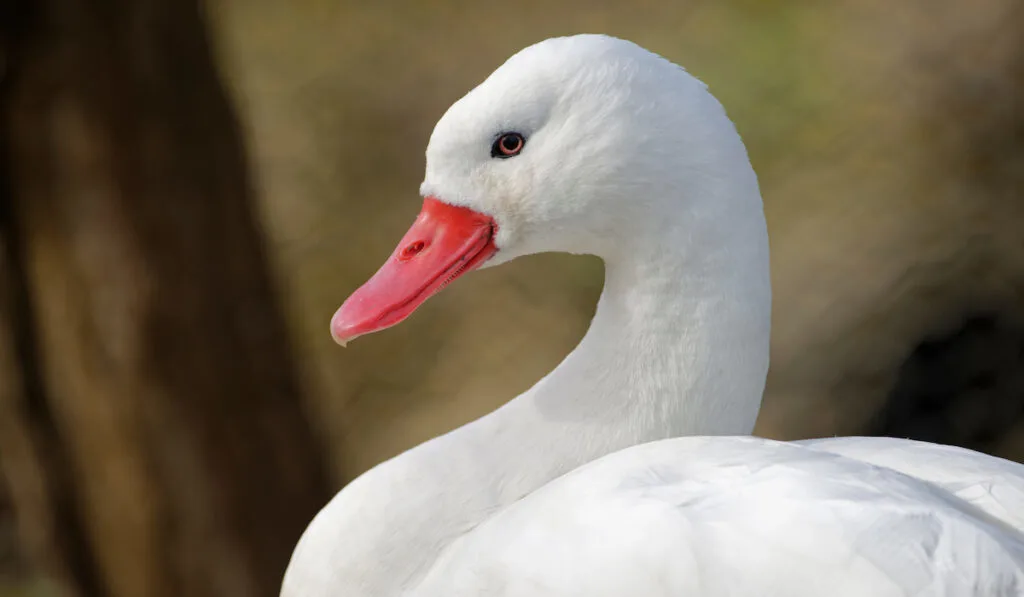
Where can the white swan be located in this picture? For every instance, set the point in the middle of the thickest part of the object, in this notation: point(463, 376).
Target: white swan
point(590, 144)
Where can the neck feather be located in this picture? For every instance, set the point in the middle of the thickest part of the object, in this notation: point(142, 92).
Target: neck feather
point(678, 346)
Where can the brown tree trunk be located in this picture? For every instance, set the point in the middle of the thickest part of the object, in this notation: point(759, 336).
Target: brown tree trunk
point(151, 425)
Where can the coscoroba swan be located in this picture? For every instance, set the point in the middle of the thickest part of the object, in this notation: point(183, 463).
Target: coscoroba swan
point(593, 483)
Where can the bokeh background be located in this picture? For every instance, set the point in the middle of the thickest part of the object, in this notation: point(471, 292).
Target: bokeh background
point(190, 191)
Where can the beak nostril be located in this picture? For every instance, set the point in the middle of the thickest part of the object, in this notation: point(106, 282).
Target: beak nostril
point(412, 249)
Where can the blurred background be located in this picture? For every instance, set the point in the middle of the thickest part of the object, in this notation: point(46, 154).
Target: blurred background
point(187, 192)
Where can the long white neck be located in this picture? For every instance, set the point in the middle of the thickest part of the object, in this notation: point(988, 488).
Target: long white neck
point(678, 346)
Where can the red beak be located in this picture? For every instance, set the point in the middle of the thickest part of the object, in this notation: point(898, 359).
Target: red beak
point(443, 243)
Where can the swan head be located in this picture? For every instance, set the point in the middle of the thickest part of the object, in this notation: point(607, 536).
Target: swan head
point(583, 144)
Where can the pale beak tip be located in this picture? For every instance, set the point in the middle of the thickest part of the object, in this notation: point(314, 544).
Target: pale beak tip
point(339, 332)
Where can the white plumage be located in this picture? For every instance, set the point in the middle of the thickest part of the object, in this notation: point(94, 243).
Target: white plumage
point(628, 470)
point(727, 516)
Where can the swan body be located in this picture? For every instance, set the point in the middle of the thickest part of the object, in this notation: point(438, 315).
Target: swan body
point(629, 470)
point(748, 516)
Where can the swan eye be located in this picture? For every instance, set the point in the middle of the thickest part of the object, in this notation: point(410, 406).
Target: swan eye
point(507, 145)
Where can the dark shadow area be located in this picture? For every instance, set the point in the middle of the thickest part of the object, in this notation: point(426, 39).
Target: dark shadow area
point(964, 388)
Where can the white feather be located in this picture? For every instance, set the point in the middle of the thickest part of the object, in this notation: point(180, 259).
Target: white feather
point(575, 487)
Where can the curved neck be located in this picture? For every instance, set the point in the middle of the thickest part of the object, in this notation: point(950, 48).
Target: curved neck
point(678, 346)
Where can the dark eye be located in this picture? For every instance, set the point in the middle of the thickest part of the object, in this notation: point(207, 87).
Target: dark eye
point(507, 145)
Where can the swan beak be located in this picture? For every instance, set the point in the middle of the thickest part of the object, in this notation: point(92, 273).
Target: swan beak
point(443, 243)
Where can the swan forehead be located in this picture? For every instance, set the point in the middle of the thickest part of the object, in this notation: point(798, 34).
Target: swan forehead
point(511, 99)
point(568, 82)
point(522, 90)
